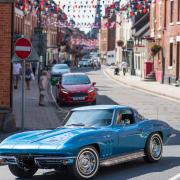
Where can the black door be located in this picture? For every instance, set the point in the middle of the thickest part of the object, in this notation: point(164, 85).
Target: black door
point(177, 62)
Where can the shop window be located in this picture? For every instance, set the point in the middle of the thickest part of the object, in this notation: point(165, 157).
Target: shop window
point(171, 55)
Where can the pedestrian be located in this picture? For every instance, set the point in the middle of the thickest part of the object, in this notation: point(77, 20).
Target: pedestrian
point(34, 67)
point(54, 61)
point(124, 67)
point(16, 73)
point(28, 72)
point(43, 87)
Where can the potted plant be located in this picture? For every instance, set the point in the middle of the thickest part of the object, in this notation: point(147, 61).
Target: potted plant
point(155, 48)
point(120, 43)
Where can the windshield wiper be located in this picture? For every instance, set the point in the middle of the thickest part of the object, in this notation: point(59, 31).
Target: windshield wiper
point(78, 124)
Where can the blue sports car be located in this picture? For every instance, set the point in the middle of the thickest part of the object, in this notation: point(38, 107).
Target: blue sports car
point(91, 137)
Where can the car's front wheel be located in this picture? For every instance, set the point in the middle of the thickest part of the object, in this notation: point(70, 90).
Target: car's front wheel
point(86, 164)
point(154, 148)
point(22, 172)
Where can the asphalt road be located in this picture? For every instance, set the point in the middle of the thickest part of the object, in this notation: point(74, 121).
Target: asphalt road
point(111, 92)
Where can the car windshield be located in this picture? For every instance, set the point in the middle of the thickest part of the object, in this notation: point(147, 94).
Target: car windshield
point(90, 118)
point(75, 80)
point(61, 66)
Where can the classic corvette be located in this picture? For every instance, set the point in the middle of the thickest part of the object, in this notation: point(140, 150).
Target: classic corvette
point(92, 136)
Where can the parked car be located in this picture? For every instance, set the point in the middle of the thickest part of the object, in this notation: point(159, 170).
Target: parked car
point(76, 88)
point(90, 138)
point(59, 69)
point(84, 63)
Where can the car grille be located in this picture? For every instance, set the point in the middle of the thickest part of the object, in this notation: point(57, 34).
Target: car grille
point(80, 94)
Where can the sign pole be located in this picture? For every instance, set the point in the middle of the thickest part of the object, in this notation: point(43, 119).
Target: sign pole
point(23, 48)
point(23, 96)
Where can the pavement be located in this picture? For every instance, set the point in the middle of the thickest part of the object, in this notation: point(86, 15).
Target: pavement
point(36, 117)
point(167, 91)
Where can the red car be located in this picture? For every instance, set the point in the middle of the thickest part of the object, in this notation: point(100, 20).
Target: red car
point(76, 88)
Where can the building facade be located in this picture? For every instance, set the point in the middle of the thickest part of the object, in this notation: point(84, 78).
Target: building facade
point(165, 29)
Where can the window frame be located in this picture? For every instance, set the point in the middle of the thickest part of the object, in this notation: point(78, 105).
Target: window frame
point(171, 11)
point(170, 54)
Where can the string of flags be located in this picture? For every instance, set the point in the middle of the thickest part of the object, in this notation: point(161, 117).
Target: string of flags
point(83, 9)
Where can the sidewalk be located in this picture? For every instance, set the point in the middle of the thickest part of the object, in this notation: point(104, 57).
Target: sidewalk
point(155, 88)
point(36, 117)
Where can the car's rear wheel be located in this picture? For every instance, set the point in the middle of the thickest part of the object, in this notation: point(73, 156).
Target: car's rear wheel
point(22, 172)
point(154, 148)
point(86, 164)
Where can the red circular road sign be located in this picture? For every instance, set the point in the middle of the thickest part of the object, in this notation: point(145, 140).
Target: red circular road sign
point(23, 48)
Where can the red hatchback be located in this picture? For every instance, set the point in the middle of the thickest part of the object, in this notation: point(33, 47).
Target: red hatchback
point(76, 88)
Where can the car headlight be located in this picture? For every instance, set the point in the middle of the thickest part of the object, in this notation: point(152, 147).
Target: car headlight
point(91, 89)
point(65, 91)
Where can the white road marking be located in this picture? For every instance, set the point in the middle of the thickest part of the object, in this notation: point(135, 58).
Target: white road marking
point(176, 177)
point(23, 48)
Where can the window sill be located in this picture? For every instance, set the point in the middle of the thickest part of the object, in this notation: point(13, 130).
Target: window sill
point(178, 22)
point(171, 24)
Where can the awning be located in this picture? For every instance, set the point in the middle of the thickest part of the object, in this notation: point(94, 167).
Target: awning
point(34, 57)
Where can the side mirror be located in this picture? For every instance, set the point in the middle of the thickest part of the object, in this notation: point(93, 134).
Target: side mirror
point(94, 83)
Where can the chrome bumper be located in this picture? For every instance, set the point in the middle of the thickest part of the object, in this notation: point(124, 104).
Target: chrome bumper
point(40, 162)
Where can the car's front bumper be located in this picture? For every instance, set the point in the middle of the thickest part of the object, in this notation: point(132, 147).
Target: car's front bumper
point(44, 162)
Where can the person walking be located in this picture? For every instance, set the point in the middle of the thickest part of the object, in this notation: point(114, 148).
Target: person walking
point(28, 72)
point(34, 67)
point(43, 82)
point(16, 74)
point(124, 67)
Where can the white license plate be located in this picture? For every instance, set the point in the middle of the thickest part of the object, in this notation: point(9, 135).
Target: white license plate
point(78, 98)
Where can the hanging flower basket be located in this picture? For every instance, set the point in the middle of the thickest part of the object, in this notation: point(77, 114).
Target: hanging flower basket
point(155, 49)
point(120, 43)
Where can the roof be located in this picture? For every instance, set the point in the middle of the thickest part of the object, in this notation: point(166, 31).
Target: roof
point(99, 107)
point(140, 20)
point(144, 31)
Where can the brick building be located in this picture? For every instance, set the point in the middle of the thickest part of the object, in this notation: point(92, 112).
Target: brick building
point(108, 38)
point(165, 29)
point(6, 31)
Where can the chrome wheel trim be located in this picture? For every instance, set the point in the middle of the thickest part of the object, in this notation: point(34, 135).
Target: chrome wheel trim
point(87, 163)
point(156, 147)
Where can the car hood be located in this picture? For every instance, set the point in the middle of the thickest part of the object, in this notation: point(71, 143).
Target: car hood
point(77, 88)
point(41, 140)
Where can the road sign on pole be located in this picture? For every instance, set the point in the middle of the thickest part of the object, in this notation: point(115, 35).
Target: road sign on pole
point(23, 48)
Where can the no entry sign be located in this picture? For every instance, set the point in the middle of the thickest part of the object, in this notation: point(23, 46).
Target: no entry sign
point(23, 48)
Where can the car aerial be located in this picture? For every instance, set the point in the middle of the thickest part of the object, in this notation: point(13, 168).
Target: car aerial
point(59, 69)
point(90, 138)
point(75, 88)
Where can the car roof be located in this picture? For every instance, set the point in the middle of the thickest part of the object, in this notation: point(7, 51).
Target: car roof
point(60, 65)
point(99, 107)
point(73, 74)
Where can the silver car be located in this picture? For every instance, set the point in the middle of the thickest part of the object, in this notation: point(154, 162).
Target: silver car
point(60, 69)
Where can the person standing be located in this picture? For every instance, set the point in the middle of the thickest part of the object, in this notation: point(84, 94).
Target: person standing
point(28, 72)
point(43, 82)
point(16, 74)
point(34, 67)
